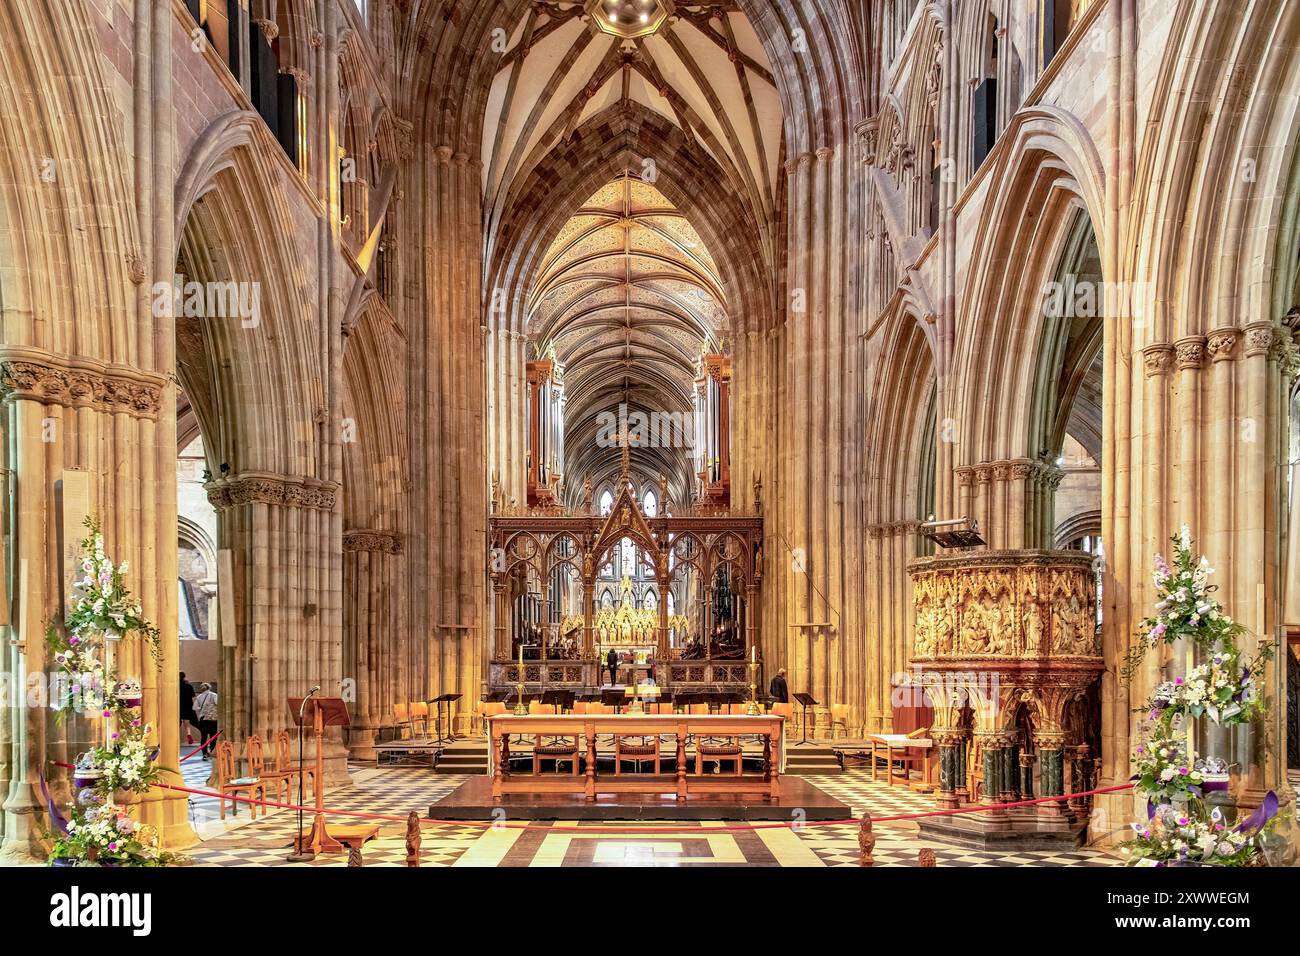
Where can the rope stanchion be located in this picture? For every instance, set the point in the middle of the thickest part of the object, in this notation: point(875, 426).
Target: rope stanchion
point(494, 825)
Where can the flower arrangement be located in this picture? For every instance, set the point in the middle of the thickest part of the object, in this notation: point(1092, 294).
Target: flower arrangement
point(1185, 606)
point(1180, 829)
point(1174, 836)
point(104, 834)
point(1166, 768)
point(104, 605)
point(127, 761)
point(84, 672)
point(1222, 688)
point(100, 831)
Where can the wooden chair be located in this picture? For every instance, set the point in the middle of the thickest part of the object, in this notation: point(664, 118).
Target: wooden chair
point(273, 777)
point(226, 784)
point(786, 711)
point(402, 720)
point(642, 748)
point(536, 707)
point(419, 712)
point(723, 750)
point(557, 748)
point(284, 764)
point(839, 718)
point(487, 709)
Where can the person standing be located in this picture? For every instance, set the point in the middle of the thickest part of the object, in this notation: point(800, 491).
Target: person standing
point(778, 690)
point(205, 706)
point(611, 659)
point(187, 709)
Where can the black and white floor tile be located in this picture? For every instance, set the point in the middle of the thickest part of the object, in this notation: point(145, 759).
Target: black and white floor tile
point(395, 792)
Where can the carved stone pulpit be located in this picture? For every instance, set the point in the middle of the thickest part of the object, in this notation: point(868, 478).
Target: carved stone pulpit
point(1006, 643)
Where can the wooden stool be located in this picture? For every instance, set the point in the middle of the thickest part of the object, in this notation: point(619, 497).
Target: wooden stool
point(357, 835)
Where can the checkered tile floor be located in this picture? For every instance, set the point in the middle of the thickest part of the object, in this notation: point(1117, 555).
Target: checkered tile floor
point(899, 844)
point(394, 792)
point(397, 791)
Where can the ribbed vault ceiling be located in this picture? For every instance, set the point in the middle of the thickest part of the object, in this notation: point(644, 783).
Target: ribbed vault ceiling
point(704, 70)
point(627, 300)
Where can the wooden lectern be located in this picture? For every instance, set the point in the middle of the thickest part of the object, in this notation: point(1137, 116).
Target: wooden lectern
point(322, 712)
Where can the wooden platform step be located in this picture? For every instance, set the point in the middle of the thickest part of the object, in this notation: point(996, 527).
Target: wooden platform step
point(811, 759)
point(464, 756)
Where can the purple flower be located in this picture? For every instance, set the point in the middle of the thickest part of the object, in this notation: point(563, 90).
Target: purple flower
point(74, 640)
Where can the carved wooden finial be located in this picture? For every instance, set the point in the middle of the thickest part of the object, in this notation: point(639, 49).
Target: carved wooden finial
point(925, 857)
point(354, 854)
point(413, 839)
point(866, 841)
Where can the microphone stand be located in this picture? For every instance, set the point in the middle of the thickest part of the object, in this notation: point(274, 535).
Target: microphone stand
point(298, 856)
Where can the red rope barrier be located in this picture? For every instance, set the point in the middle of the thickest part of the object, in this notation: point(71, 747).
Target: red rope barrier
point(659, 829)
point(68, 766)
point(201, 746)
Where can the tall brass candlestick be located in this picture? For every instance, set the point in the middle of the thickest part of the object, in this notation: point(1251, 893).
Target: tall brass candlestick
point(520, 709)
point(752, 710)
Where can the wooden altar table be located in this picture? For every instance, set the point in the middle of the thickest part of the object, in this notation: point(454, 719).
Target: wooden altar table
point(689, 778)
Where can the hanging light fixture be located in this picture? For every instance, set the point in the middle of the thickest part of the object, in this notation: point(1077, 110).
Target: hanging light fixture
point(629, 19)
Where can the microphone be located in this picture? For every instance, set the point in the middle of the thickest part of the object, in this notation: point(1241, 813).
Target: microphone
point(303, 706)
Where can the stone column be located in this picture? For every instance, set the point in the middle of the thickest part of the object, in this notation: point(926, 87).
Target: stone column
point(993, 747)
point(1051, 746)
point(288, 634)
point(1026, 776)
point(963, 768)
point(374, 579)
point(949, 742)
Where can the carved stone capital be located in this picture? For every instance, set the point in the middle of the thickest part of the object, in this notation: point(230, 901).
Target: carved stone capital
point(1221, 343)
point(1047, 740)
point(1190, 351)
point(1158, 359)
point(362, 539)
point(76, 382)
point(266, 488)
point(1021, 469)
point(1259, 338)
